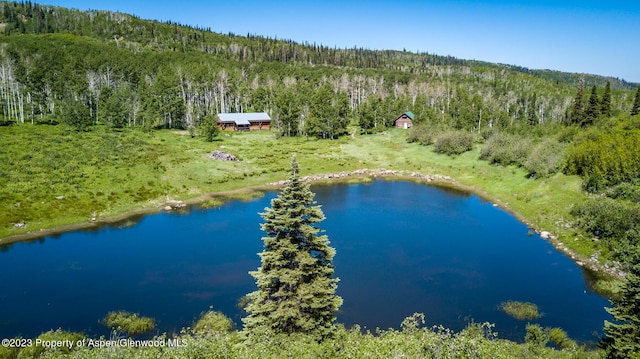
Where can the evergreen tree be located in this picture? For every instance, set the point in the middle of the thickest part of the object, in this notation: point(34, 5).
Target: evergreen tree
point(577, 112)
point(635, 109)
point(605, 103)
point(593, 108)
point(623, 337)
point(296, 289)
point(209, 129)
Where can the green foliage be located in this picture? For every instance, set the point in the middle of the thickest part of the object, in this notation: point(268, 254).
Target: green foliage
point(296, 288)
point(130, 323)
point(289, 113)
point(454, 143)
point(617, 223)
point(623, 336)
point(547, 158)
point(592, 111)
point(209, 129)
point(625, 191)
point(213, 321)
point(505, 149)
point(535, 336)
point(424, 134)
point(76, 114)
point(606, 159)
point(605, 102)
point(37, 350)
point(412, 323)
point(559, 338)
point(521, 310)
point(577, 115)
point(635, 108)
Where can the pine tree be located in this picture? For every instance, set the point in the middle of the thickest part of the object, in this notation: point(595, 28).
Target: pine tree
point(577, 112)
point(296, 289)
point(623, 337)
point(593, 108)
point(605, 103)
point(635, 109)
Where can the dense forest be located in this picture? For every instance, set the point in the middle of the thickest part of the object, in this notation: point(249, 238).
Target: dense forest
point(98, 73)
point(96, 67)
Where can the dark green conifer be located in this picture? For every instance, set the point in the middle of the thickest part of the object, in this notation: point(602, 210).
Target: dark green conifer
point(605, 103)
point(593, 108)
point(296, 289)
point(623, 337)
point(577, 111)
point(635, 109)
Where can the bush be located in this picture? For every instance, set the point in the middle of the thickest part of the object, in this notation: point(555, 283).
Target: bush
point(130, 323)
point(625, 191)
point(453, 143)
point(35, 351)
point(506, 149)
point(617, 223)
point(521, 310)
point(560, 339)
point(546, 159)
point(535, 336)
point(423, 134)
point(213, 322)
point(606, 159)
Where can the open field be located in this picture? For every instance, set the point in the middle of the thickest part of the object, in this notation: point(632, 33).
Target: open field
point(51, 177)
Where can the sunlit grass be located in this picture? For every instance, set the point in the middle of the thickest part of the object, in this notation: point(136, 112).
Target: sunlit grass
point(521, 310)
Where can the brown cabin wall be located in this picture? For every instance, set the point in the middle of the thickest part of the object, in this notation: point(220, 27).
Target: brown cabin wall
point(260, 126)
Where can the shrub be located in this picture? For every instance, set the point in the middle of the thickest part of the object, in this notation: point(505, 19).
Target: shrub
point(560, 339)
point(130, 323)
point(546, 159)
point(423, 134)
point(212, 321)
point(625, 191)
point(453, 143)
point(535, 336)
point(35, 350)
point(616, 222)
point(606, 159)
point(505, 149)
point(521, 310)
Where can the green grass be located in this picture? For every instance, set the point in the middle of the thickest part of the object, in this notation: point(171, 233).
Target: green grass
point(521, 310)
point(129, 323)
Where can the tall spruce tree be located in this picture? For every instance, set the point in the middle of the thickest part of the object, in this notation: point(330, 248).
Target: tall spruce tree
point(623, 337)
point(577, 111)
point(296, 289)
point(635, 109)
point(605, 102)
point(593, 108)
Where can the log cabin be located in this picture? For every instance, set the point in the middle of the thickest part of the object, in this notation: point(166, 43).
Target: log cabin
point(405, 120)
point(248, 121)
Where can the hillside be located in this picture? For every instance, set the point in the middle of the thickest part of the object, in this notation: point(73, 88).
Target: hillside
point(110, 68)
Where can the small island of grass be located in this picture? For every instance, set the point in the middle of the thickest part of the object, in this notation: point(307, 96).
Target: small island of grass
point(521, 310)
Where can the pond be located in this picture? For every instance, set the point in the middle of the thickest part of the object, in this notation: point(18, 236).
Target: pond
point(402, 247)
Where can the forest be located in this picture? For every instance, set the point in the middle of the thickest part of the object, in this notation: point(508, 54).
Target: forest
point(116, 83)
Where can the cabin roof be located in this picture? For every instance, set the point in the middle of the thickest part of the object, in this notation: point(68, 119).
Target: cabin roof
point(244, 118)
point(410, 114)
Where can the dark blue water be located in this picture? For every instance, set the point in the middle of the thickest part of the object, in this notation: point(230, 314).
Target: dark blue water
point(401, 248)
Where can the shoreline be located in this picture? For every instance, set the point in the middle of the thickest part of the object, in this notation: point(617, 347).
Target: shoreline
point(591, 264)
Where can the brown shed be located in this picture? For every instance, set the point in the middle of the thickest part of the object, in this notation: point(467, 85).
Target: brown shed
point(405, 120)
